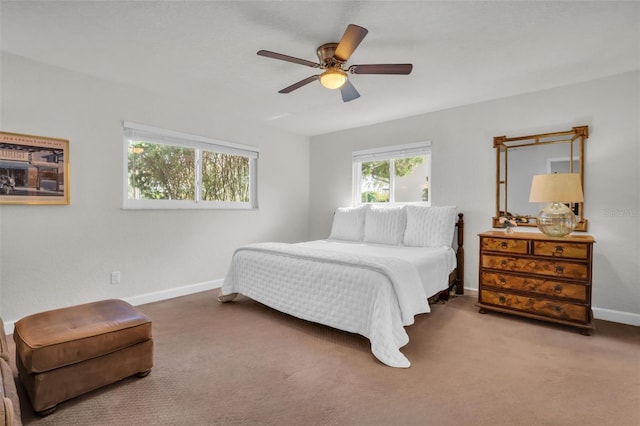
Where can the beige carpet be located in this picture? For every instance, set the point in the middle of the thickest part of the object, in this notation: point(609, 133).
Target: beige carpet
point(244, 364)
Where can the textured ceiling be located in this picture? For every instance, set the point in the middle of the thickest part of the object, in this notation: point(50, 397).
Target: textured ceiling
point(205, 51)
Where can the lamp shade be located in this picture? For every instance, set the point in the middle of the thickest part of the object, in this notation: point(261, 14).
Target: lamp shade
point(556, 187)
point(333, 78)
point(556, 219)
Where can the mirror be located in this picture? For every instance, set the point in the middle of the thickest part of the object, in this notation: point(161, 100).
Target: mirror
point(518, 159)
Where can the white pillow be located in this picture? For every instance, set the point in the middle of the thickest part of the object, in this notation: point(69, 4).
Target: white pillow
point(430, 226)
point(348, 224)
point(385, 225)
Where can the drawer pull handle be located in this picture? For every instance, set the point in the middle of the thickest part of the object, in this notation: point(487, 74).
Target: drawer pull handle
point(503, 263)
point(502, 281)
point(558, 289)
point(502, 299)
point(504, 245)
point(559, 269)
point(557, 308)
point(559, 249)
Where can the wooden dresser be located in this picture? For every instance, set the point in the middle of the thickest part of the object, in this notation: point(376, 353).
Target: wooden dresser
point(536, 276)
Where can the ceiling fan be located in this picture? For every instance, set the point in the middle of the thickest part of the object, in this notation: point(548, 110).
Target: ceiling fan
point(332, 58)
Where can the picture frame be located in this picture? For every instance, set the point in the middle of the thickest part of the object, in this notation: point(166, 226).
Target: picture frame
point(33, 169)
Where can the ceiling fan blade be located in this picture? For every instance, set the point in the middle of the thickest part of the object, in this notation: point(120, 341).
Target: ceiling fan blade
point(288, 58)
point(381, 69)
point(349, 92)
point(351, 38)
point(299, 84)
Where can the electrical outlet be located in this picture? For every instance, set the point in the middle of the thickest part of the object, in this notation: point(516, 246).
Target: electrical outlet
point(115, 277)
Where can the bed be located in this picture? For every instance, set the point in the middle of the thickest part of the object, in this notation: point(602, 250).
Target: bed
point(379, 268)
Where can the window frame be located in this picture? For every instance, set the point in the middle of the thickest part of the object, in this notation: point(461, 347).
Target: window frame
point(198, 144)
point(387, 153)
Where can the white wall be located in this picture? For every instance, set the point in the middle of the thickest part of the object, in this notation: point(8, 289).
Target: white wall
point(463, 172)
point(55, 256)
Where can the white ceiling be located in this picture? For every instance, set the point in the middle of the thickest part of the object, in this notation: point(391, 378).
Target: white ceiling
point(204, 52)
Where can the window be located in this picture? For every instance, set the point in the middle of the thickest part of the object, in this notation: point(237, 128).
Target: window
point(167, 169)
point(397, 174)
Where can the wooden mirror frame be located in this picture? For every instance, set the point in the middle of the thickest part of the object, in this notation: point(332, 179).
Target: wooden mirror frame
point(503, 144)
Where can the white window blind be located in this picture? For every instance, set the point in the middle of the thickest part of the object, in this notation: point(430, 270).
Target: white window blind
point(390, 153)
point(146, 133)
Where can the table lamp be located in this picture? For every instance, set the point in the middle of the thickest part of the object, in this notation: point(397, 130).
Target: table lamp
point(557, 189)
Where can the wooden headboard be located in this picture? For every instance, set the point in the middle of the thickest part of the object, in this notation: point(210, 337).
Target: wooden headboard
point(460, 255)
point(456, 278)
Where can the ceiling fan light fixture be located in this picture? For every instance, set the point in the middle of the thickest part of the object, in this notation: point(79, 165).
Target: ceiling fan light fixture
point(333, 78)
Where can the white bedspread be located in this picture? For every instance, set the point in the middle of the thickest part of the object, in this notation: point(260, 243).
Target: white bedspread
point(359, 288)
point(434, 264)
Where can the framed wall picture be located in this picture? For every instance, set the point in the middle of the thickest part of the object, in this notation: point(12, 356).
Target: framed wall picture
point(33, 169)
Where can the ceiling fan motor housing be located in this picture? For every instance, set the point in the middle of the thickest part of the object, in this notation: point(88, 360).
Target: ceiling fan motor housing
point(325, 55)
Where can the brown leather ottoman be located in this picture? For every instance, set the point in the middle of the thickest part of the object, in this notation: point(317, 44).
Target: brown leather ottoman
point(66, 352)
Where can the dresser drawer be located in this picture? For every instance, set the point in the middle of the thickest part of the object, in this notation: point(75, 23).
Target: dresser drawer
point(538, 266)
point(504, 245)
point(536, 305)
point(536, 286)
point(560, 249)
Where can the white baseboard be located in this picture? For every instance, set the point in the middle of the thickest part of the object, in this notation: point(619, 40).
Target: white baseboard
point(171, 293)
point(616, 316)
point(156, 296)
point(598, 313)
